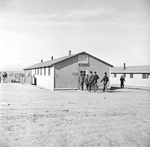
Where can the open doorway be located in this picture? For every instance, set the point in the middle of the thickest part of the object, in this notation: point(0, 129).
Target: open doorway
point(83, 73)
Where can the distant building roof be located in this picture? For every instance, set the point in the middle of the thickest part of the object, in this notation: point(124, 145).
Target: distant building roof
point(54, 61)
point(132, 69)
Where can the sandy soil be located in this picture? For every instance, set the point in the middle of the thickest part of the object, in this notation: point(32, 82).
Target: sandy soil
point(42, 118)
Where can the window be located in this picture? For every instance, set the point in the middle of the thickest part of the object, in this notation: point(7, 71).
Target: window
point(40, 71)
point(115, 75)
point(44, 71)
point(131, 75)
point(83, 59)
point(124, 75)
point(145, 76)
point(49, 71)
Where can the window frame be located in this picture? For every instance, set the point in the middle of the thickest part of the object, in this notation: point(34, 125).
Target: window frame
point(49, 71)
point(145, 76)
point(44, 71)
point(41, 71)
point(115, 75)
point(37, 71)
point(131, 75)
point(82, 61)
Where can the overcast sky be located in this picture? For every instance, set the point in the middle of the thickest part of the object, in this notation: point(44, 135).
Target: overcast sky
point(115, 31)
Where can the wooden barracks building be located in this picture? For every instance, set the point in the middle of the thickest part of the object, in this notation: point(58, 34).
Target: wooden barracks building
point(63, 73)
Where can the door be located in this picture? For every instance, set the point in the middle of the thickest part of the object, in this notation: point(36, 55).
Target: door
point(84, 73)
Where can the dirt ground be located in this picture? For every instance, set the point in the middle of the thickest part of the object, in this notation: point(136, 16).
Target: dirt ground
point(36, 117)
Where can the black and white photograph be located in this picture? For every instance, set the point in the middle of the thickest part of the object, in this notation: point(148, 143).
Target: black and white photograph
point(74, 73)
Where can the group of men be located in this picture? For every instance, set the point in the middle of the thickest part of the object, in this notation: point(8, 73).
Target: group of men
point(91, 81)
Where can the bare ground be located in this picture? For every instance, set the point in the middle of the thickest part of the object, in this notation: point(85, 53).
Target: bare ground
point(42, 118)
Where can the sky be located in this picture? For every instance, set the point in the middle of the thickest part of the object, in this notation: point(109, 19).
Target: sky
point(116, 31)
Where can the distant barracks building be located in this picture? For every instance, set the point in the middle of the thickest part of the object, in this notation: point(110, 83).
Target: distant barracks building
point(63, 73)
point(135, 76)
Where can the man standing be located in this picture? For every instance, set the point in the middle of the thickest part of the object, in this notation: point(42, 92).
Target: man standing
point(87, 82)
point(81, 78)
point(122, 80)
point(91, 79)
point(105, 81)
point(96, 77)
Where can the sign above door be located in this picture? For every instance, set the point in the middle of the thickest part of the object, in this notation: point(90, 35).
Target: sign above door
point(83, 64)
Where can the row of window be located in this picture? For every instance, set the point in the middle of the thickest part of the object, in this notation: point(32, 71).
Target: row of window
point(144, 76)
point(38, 71)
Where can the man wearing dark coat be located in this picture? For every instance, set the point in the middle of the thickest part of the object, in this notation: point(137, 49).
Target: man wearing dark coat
point(81, 78)
point(96, 77)
point(87, 81)
point(105, 81)
point(91, 80)
point(122, 80)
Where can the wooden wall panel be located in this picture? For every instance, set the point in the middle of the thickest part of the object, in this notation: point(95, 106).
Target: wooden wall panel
point(66, 72)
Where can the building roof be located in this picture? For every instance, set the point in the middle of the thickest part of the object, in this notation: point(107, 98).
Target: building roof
point(132, 69)
point(54, 61)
